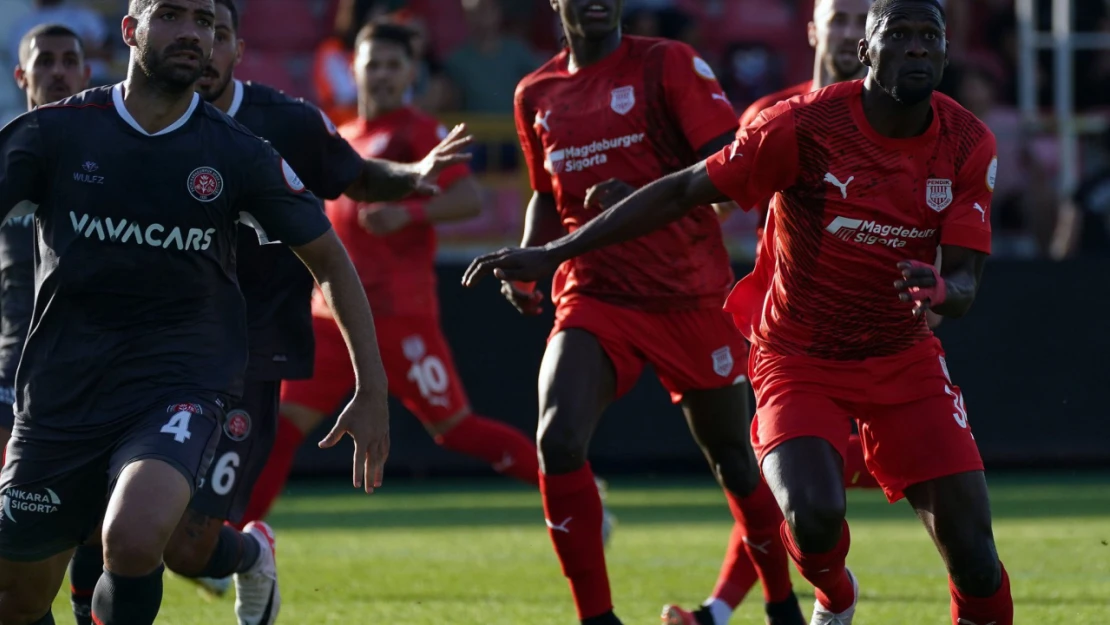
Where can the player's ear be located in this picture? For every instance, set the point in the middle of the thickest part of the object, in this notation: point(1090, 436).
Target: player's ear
point(811, 34)
point(864, 53)
point(128, 27)
point(240, 46)
point(20, 78)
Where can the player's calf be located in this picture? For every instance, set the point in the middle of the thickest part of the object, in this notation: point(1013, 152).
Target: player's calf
point(28, 588)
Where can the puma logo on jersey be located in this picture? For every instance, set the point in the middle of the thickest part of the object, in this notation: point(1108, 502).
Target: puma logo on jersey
point(982, 212)
point(843, 186)
point(541, 120)
point(734, 151)
point(562, 527)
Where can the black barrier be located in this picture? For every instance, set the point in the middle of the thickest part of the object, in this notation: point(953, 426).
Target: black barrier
point(1031, 359)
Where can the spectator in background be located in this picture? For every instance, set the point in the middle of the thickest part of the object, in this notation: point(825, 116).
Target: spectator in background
point(1083, 228)
point(486, 69)
point(336, 92)
point(87, 23)
point(432, 91)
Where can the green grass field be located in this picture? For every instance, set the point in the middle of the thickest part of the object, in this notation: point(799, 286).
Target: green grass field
point(477, 552)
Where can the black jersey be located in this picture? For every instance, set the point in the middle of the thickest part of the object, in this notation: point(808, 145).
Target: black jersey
point(275, 283)
point(17, 286)
point(137, 299)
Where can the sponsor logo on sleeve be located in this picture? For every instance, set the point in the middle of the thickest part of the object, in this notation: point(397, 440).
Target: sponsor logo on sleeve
point(703, 69)
point(291, 178)
point(992, 171)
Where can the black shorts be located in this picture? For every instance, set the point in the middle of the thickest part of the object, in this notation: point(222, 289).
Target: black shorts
point(244, 447)
point(53, 489)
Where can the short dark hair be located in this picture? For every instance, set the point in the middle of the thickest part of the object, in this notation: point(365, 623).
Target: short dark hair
point(136, 8)
point(46, 30)
point(385, 31)
point(234, 10)
point(881, 7)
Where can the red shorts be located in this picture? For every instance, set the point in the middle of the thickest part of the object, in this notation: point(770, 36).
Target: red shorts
point(689, 349)
point(417, 361)
point(912, 420)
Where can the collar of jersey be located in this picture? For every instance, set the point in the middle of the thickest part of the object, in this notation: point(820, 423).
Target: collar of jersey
point(117, 99)
point(614, 57)
point(236, 100)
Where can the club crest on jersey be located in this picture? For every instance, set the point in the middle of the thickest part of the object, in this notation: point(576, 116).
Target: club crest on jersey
point(205, 184)
point(938, 193)
point(237, 425)
point(189, 408)
point(722, 362)
point(622, 99)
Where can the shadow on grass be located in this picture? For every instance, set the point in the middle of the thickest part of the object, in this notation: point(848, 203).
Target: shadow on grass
point(415, 507)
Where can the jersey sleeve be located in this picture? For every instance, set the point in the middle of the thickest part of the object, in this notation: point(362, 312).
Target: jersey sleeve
point(277, 204)
point(967, 222)
point(530, 144)
point(326, 163)
point(694, 96)
point(22, 162)
point(761, 161)
point(426, 136)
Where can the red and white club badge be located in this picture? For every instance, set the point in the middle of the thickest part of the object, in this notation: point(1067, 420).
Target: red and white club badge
point(237, 425)
point(205, 184)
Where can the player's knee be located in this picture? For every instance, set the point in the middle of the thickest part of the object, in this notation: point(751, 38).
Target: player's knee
point(736, 469)
point(562, 449)
point(816, 521)
point(130, 549)
point(19, 608)
point(979, 575)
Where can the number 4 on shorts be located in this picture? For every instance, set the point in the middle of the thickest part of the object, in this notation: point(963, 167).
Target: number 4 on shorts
point(178, 426)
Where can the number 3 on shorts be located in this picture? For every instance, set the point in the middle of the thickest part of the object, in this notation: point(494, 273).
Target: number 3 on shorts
point(178, 426)
point(957, 398)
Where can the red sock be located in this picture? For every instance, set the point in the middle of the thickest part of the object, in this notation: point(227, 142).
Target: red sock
point(856, 474)
point(503, 447)
point(276, 472)
point(738, 574)
point(572, 509)
point(997, 609)
point(761, 518)
point(825, 570)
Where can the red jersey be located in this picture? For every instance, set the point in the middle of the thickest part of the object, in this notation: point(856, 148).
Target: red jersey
point(641, 113)
point(397, 270)
point(851, 205)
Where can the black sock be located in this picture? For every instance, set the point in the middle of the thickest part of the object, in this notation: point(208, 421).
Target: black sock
point(46, 620)
point(235, 552)
point(704, 617)
point(122, 600)
point(785, 612)
point(602, 619)
point(84, 572)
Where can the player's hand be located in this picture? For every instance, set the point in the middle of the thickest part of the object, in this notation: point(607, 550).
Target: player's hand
point(450, 151)
point(384, 219)
point(523, 296)
point(921, 284)
point(366, 419)
point(606, 195)
point(521, 265)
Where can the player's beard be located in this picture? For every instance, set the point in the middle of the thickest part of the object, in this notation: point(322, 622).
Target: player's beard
point(213, 93)
point(157, 67)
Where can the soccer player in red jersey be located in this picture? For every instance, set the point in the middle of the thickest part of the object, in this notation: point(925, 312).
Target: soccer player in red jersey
point(872, 176)
point(834, 33)
point(393, 248)
point(607, 115)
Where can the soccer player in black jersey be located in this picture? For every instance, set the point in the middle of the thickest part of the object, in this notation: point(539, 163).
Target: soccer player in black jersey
point(138, 340)
point(51, 66)
point(277, 290)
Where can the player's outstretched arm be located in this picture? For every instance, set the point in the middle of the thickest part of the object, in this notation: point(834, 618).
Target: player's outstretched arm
point(388, 181)
point(949, 291)
point(646, 210)
point(542, 225)
point(366, 418)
